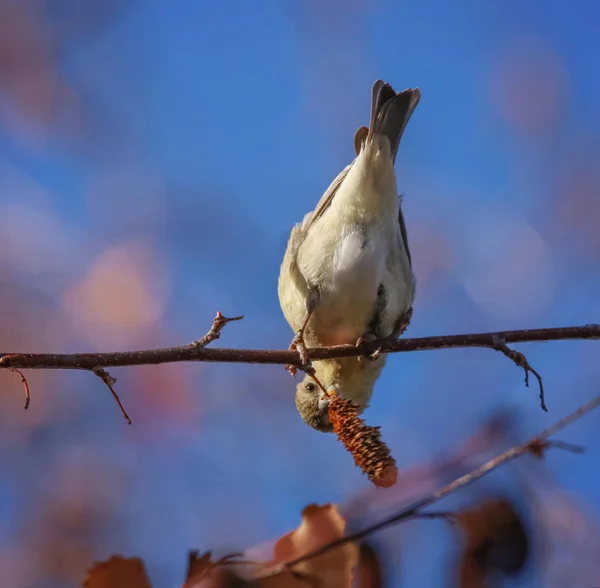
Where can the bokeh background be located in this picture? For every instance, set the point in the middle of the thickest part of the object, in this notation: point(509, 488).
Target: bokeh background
point(154, 156)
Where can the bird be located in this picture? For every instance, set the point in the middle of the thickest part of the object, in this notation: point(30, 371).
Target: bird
point(346, 276)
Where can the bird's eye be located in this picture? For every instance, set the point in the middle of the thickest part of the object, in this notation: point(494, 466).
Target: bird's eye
point(310, 386)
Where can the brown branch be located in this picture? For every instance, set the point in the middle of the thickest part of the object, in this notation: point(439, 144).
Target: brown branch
point(110, 382)
point(25, 385)
point(195, 352)
point(415, 510)
point(215, 330)
point(521, 361)
point(92, 361)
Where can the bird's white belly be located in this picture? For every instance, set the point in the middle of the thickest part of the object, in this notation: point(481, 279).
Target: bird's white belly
point(347, 300)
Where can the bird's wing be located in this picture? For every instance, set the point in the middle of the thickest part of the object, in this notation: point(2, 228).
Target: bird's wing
point(404, 233)
point(292, 286)
point(289, 267)
point(327, 198)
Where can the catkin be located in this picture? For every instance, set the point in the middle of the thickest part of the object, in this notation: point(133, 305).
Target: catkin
point(370, 453)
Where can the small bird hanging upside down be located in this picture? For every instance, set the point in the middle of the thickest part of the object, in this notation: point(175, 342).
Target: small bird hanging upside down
point(346, 276)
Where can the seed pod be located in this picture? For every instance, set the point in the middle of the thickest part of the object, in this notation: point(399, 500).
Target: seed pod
point(370, 453)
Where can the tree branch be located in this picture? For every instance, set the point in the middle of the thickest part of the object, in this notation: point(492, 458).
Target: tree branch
point(25, 386)
point(110, 382)
point(521, 361)
point(90, 361)
point(535, 446)
point(195, 352)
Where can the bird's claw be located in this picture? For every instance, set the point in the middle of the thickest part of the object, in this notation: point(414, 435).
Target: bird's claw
point(402, 324)
point(375, 355)
point(398, 331)
point(368, 338)
point(301, 349)
point(299, 346)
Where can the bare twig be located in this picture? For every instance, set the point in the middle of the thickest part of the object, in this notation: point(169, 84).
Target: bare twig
point(23, 379)
point(201, 567)
point(448, 516)
point(521, 361)
point(538, 447)
point(219, 323)
point(415, 510)
point(198, 351)
point(110, 382)
point(13, 361)
point(570, 447)
point(192, 352)
point(26, 386)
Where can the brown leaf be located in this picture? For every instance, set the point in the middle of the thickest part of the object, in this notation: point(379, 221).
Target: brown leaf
point(206, 573)
point(219, 577)
point(369, 574)
point(198, 566)
point(118, 572)
point(319, 526)
point(333, 569)
point(496, 541)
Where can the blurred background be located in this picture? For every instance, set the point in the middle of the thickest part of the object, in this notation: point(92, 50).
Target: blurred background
point(154, 156)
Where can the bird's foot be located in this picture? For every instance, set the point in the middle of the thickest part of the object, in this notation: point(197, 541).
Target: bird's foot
point(399, 329)
point(402, 324)
point(368, 338)
point(298, 345)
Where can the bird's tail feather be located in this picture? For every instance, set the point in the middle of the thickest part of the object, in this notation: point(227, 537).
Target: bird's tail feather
point(390, 113)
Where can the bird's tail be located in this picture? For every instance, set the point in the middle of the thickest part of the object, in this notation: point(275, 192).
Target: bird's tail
point(390, 113)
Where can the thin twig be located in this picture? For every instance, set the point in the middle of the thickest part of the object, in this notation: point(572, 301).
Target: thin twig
point(538, 447)
point(26, 386)
point(191, 352)
point(521, 361)
point(219, 323)
point(310, 371)
point(448, 516)
point(23, 379)
point(198, 351)
point(415, 510)
point(201, 567)
point(110, 382)
point(570, 447)
point(13, 361)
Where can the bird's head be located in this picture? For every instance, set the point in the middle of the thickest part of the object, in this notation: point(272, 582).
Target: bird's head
point(351, 379)
point(313, 405)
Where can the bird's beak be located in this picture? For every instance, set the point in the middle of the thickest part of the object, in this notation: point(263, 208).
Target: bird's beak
point(323, 403)
point(332, 390)
point(324, 410)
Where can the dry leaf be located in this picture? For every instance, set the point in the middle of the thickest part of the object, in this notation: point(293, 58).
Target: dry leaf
point(334, 569)
point(118, 572)
point(203, 572)
point(369, 573)
point(198, 566)
point(219, 577)
point(496, 541)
